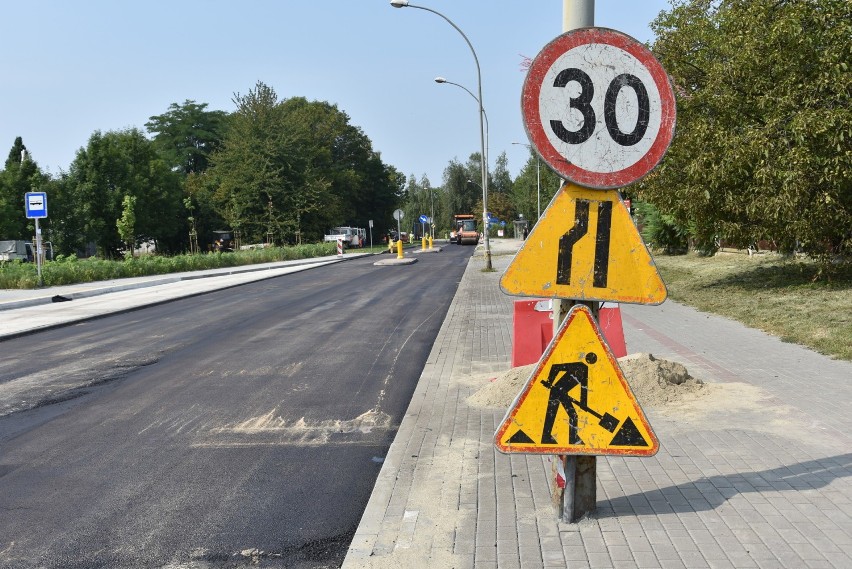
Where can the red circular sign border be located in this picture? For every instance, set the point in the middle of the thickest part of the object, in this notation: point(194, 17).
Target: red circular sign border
point(533, 124)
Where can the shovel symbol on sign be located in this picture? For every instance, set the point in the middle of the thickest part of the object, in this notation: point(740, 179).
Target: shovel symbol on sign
point(606, 420)
point(562, 379)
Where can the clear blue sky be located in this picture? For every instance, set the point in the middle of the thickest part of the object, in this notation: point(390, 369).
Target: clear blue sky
point(72, 67)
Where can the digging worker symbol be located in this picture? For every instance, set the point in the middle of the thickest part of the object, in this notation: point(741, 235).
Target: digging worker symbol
point(577, 374)
point(572, 375)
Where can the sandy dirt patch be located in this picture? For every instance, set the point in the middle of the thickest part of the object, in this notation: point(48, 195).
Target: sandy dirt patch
point(655, 382)
point(666, 389)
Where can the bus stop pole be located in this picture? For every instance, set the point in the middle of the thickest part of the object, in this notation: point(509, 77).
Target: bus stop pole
point(38, 252)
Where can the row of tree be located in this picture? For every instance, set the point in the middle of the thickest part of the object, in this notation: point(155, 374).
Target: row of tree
point(762, 153)
point(280, 171)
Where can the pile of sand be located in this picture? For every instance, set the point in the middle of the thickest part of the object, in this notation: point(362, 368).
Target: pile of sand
point(657, 382)
point(654, 382)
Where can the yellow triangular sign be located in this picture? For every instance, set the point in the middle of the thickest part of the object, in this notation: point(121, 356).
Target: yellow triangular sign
point(585, 247)
point(577, 400)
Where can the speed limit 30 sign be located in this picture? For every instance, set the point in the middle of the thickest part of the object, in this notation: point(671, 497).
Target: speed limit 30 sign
point(598, 107)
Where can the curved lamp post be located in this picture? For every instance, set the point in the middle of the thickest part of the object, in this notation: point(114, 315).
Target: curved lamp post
point(484, 165)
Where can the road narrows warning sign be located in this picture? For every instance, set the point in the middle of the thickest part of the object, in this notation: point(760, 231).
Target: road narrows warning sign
point(585, 247)
point(577, 400)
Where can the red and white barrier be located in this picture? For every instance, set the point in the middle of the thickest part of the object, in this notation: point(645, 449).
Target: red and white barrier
point(532, 330)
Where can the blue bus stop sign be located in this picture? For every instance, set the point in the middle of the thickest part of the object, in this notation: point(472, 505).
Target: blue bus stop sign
point(35, 204)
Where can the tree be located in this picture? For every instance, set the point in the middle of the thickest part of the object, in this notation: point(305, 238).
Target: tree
point(20, 175)
point(660, 231)
point(462, 196)
point(764, 114)
point(501, 180)
point(501, 207)
point(527, 187)
point(187, 134)
point(306, 160)
point(199, 190)
point(420, 198)
point(360, 187)
point(261, 161)
point(126, 224)
point(114, 165)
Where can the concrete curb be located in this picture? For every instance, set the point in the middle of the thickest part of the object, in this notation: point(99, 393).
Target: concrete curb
point(155, 280)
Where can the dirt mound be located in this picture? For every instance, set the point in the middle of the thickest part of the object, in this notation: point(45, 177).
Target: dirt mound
point(654, 382)
point(657, 382)
point(500, 391)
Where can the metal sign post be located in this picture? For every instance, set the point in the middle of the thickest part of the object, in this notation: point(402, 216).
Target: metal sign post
point(398, 214)
point(35, 206)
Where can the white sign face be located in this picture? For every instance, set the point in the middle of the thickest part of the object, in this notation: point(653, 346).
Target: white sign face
point(398, 214)
point(35, 205)
point(572, 119)
point(598, 108)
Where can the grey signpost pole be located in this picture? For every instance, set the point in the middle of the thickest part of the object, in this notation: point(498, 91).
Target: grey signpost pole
point(38, 253)
point(579, 496)
point(398, 214)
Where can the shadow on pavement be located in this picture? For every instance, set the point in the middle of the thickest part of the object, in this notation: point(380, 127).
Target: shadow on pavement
point(709, 493)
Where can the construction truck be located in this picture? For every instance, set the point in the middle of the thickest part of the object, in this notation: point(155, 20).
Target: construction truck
point(464, 230)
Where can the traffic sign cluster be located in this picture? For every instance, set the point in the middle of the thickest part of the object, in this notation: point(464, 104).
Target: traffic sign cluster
point(599, 110)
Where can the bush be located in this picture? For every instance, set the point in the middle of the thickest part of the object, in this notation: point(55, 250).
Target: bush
point(660, 231)
point(70, 270)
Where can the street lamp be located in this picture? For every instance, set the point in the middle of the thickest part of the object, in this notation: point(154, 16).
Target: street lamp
point(442, 80)
point(537, 175)
point(484, 165)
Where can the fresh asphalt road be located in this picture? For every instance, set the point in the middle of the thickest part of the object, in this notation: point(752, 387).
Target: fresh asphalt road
point(245, 426)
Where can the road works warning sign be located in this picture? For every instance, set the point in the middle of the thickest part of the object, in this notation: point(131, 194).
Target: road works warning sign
point(577, 400)
point(585, 247)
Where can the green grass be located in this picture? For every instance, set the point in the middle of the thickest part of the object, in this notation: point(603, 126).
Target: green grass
point(782, 296)
point(70, 270)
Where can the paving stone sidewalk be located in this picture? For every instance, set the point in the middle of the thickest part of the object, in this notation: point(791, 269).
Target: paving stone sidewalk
point(755, 475)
